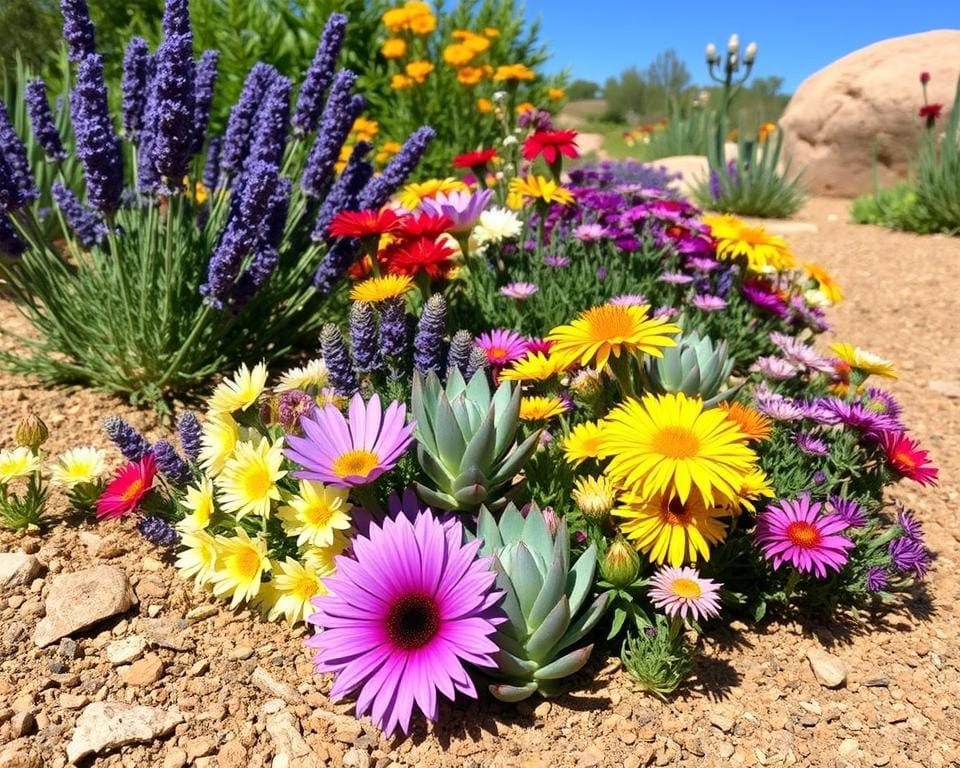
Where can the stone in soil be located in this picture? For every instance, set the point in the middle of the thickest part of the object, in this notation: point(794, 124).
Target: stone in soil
point(829, 670)
point(289, 745)
point(106, 725)
point(81, 599)
point(167, 633)
point(275, 688)
point(17, 569)
point(125, 650)
point(146, 671)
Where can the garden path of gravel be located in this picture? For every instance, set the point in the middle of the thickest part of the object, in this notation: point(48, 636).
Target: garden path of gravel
point(755, 702)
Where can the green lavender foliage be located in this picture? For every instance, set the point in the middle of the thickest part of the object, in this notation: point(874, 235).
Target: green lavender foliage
point(657, 658)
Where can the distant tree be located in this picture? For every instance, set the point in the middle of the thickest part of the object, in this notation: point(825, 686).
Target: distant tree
point(583, 89)
point(35, 29)
point(667, 77)
point(627, 96)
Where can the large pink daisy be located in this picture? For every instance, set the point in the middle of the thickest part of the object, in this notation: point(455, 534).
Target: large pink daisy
point(799, 533)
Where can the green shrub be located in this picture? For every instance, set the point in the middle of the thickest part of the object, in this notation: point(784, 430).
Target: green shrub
point(938, 173)
point(897, 207)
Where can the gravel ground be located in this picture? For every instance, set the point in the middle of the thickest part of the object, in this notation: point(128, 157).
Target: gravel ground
point(247, 697)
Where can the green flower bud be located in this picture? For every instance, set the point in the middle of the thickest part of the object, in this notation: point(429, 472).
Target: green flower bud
point(31, 432)
point(621, 564)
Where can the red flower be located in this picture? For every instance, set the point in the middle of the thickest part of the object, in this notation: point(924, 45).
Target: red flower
point(421, 255)
point(424, 225)
point(364, 223)
point(931, 111)
point(551, 144)
point(127, 489)
point(908, 458)
point(473, 159)
point(924, 77)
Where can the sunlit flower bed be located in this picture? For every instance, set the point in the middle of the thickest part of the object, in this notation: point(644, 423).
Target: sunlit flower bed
point(563, 415)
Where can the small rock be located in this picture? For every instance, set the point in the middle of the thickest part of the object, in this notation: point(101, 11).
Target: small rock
point(17, 754)
point(949, 389)
point(348, 732)
point(590, 757)
point(23, 724)
point(68, 649)
point(849, 748)
point(144, 672)
point(81, 599)
point(289, 745)
point(725, 750)
point(175, 758)
point(105, 725)
point(200, 746)
point(72, 701)
point(829, 670)
point(167, 633)
point(151, 564)
point(201, 612)
point(356, 758)
point(91, 541)
point(154, 610)
point(17, 569)
point(723, 722)
point(273, 687)
point(151, 587)
point(125, 650)
point(198, 668)
point(57, 667)
point(241, 652)
point(233, 755)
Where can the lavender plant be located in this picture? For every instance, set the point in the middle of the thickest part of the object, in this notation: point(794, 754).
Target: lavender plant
point(161, 278)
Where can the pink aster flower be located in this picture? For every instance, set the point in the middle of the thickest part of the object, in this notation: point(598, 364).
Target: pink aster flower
point(683, 591)
point(707, 302)
point(519, 291)
point(127, 489)
point(590, 232)
point(461, 207)
point(405, 617)
point(502, 346)
point(354, 450)
point(775, 368)
point(675, 278)
point(799, 533)
point(629, 300)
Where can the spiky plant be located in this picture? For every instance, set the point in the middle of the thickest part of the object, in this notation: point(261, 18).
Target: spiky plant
point(696, 366)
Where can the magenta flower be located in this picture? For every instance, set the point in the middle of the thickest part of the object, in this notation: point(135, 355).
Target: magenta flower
point(775, 368)
point(800, 354)
point(502, 346)
point(403, 618)
point(589, 233)
point(350, 451)
point(556, 261)
point(461, 207)
point(797, 532)
point(707, 302)
point(519, 291)
point(764, 298)
point(683, 591)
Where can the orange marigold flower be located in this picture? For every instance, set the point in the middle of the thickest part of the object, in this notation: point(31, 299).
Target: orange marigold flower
point(752, 423)
point(469, 75)
point(418, 70)
point(484, 106)
point(457, 55)
point(399, 82)
point(394, 48)
point(514, 72)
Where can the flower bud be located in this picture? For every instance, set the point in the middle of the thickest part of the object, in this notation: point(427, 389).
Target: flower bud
point(750, 54)
point(621, 565)
point(552, 520)
point(733, 44)
point(594, 497)
point(733, 60)
point(31, 432)
point(587, 383)
point(711, 53)
point(924, 78)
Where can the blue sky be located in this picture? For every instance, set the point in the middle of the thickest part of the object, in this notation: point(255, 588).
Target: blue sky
point(594, 39)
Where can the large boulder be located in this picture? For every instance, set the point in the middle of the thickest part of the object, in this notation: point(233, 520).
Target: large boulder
point(872, 94)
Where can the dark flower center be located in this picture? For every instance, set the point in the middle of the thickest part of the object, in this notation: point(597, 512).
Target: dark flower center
point(412, 621)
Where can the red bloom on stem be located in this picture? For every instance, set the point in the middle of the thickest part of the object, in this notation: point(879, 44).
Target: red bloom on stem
point(433, 258)
point(365, 223)
point(908, 458)
point(127, 489)
point(426, 225)
point(473, 159)
point(924, 77)
point(931, 112)
point(551, 144)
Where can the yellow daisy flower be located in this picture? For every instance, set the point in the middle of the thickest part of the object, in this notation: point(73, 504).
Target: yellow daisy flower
point(199, 500)
point(414, 193)
point(534, 366)
point(248, 483)
point(669, 445)
point(541, 408)
point(540, 188)
point(863, 361)
point(377, 289)
point(761, 250)
point(755, 485)
point(78, 465)
point(198, 559)
point(609, 330)
point(670, 530)
point(321, 559)
point(394, 48)
point(292, 586)
point(316, 514)
point(513, 72)
point(18, 462)
point(241, 563)
point(595, 497)
point(219, 437)
point(239, 392)
point(583, 442)
point(828, 286)
point(311, 377)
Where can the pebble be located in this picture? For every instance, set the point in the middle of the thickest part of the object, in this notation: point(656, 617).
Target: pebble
point(68, 649)
point(241, 652)
point(23, 724)
point(146, 671)
point(175, 758)
point(291, 750)
point(125, 650)
point(200, 746)
point(72, 701)
point(17, 569)
point(172, 633)
point(829, 670)
point(275, 688)
point(107, 725)
point(201, 612)
point(233, 755)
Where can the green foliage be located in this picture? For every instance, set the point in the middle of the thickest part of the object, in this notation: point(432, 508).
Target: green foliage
point(938, 173)
point(657, 658)
point(686, 132)
point(582, 89)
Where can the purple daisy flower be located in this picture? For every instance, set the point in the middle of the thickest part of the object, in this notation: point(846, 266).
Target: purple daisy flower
point(909, 556)
point(909, 524)
point(703, 264)
point(707, 302)
point(519, 291)
point(777, 407)
point(665, 312)
point(811, 444)
point(589, 233)
point(800, 354)
point(775, 368)
point(461, 207)
point(817, 410)
point(404, 616)
point(857, 416)
point(502, 346)
point(351, 451)
point(797, 532)
point(556, 261)
point(629, 300)
point(849, 510)
point(876, 579)
point(675, 278)
point(882, 402)
point(764, 299)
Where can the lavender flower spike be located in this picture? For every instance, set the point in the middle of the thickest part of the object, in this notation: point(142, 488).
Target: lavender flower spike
point(461, 345)
point(378, 191)
point(206, 79)
point(338, 117)
point(41, 120)
point(269, 235)
point(17, 176)
point(345, 191)
point(270, 129)
point(135, 86)
point(173, 97)
point(211, 169)
point(158, 531)
point(87, 226)
point(429, 350)
point(336, 261)
point(236, 140)
point(319, 76)
point(176, 18)
point(98, 147)
point(190, 433)
point(363, 338)
point(335, 355)
point(77, 29)
point(170, 464)
point(128, 440)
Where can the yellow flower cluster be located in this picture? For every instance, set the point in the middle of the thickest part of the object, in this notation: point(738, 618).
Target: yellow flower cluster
point(416, 17)
point(761, 252)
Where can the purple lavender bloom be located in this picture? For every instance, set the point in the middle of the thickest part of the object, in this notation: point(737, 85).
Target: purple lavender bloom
point(675, 278)
point(849, 510)
point(909, 556)
point(556, 261)
point(363, 338)
point(135, 87)
point(98, 146)
point(429, 348)
point(461, 345)
point(270, 124)
point(41, 120)
point(170, 464)
point(10, 241)
point(236, 140)
point(207, 71)
point(401, 165)
point(211, 169)
point(269, 235)
point(158, 531)
point(18, 186)
point(519, 291)
point(335, 355)
point(777, 407)
point(775, 368)
point(345, 192)
point(319, 76)
point(394, 332)
point(764, 299)
point(190, 433)
point(876, 579)
point(86, 225)
point(128, 440)
point(338, 116)
point(819, 477)
point(857, 416)
point(337, 260)
point(601, 273)
point(77, 29)
point(477, 361)
point(461, 207)
point(707, 302)
point(810, 444)
point(174, 100)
